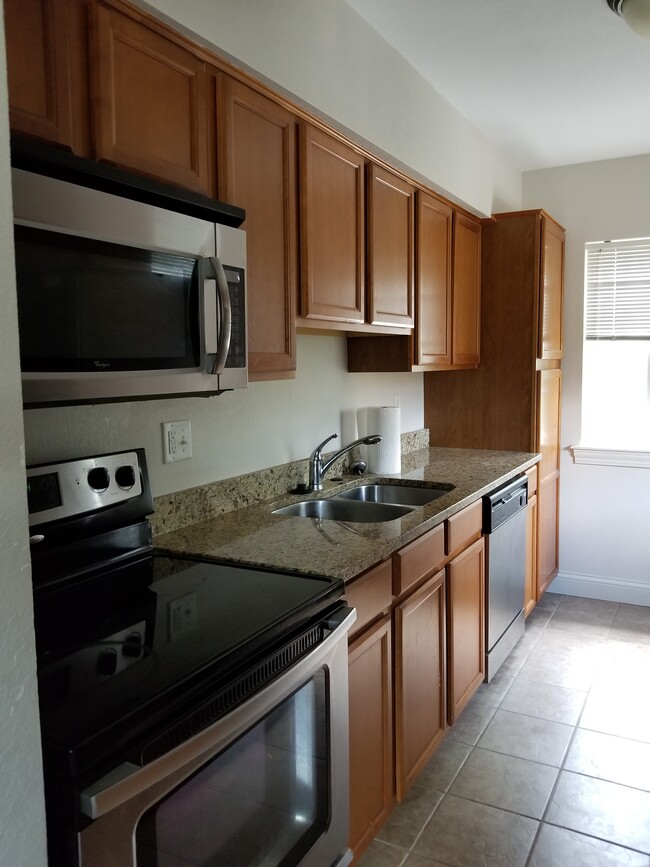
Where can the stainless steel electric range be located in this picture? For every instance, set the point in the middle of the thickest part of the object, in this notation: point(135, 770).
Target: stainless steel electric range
point(193, 714)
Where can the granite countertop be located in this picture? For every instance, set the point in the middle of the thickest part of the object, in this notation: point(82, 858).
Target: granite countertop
point(255, 537)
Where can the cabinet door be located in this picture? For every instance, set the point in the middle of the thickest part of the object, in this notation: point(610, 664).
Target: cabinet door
point(150, 105)
point(371, 733)
point(551, 290)
point(466, 626)
point(420, 700)
point(38, 69)
point(331, 228)
point(466, 312)
point(433, 281)
point(548, 443)
point(530, 587)
point(257, 171)
point(391, 247)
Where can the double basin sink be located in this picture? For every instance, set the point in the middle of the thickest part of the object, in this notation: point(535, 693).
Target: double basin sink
point(367, 504)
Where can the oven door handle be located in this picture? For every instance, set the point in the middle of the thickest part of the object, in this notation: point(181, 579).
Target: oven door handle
point(224, 330)
point(129, 780)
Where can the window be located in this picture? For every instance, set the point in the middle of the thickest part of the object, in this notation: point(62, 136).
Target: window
point(616, 353)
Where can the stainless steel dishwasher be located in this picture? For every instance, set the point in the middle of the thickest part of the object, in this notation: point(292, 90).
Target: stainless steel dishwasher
point(504, 528)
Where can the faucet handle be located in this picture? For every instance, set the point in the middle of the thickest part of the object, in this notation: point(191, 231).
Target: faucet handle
point(318, 448)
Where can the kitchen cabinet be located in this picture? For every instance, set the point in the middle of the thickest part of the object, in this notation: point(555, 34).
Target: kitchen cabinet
point(150, 100)
point(549, 398)
point(420, 679)
point(466, 320)
point(47, 71)
point(530, 582)
point(512, 400)
point(332, 228)
point(466, 626)
point(370, 680)
point(390, 248)
point(257, 170)
point(447, 299)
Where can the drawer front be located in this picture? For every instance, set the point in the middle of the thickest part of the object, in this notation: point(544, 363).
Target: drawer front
point(418, 559)
point(371, 594)
point(531, 475)
point(464, 528)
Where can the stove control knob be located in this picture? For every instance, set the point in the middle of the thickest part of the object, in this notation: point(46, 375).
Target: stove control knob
point(132, 645)
point(125, 477)
point(107, 662)
point(98, 479)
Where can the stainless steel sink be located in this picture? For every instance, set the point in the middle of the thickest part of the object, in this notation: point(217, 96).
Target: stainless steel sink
point(355, 511)
point(405, 495)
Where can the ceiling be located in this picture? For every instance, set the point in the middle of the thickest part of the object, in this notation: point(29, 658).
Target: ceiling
point(548, 82)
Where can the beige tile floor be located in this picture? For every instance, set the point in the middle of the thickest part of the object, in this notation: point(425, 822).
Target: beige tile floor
point(549, 764)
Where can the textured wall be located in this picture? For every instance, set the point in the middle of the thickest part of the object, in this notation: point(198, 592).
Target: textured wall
point(22, 821)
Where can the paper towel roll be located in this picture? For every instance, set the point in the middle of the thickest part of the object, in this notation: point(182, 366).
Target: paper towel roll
point(386, 457)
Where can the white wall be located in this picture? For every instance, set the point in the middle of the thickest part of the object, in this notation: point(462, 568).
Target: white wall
point(266, 424)
point(328, 56)
point(22, 820)
point(605, 511)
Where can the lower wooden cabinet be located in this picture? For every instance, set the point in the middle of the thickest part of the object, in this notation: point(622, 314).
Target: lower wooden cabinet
point(371, 733)
point(466, 626)
point(420, 682)
point(530, 587)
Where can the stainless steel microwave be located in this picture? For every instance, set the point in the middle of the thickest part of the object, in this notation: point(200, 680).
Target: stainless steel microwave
point(122, 300)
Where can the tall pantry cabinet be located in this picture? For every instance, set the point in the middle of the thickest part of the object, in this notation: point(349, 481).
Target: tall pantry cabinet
point(512, 400)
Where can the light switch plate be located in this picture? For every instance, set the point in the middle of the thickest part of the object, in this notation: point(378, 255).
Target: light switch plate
point(177, 441)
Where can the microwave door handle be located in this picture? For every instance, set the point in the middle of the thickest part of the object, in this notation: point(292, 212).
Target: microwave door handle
point(225, 315)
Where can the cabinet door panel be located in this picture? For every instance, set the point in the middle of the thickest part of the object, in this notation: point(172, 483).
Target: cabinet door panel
point(551, 291)
point(466, 626)
point(466, 291)
point(420, 660)
point(433, 281)
point(331, 228)
point(548, 501)
point(548, 434)
point(530, 587)
point(390, 248)
point(38, 69)
point(150, 106)
point(257, 171)
point(371, 733)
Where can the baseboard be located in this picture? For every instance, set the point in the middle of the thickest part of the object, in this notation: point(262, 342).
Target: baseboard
point(599, 587)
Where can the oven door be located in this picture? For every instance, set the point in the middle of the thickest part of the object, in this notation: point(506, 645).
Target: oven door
point(265, 786)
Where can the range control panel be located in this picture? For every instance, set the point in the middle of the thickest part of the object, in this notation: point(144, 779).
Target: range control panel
point(70, 488)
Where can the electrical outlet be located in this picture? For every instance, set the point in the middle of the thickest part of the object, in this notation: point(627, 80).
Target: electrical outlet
point(177, 441)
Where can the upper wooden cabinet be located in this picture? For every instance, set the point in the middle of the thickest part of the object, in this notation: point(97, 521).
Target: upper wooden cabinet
point(257, 171)
point(38, 69)
point(466, 304)
point(332, 228)
point(433, 323)
point(150, 101)
point(447, 299)
point(390, 248)
point(551, 290)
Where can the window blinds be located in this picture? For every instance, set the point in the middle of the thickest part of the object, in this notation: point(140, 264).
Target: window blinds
point(618, 290)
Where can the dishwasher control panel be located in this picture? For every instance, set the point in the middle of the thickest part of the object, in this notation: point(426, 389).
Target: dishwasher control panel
point(504, 502)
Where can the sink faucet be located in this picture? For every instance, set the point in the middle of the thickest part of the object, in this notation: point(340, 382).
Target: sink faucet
point(318, 468)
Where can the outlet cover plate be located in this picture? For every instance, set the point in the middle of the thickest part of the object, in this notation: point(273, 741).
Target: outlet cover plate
point(177, 441)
